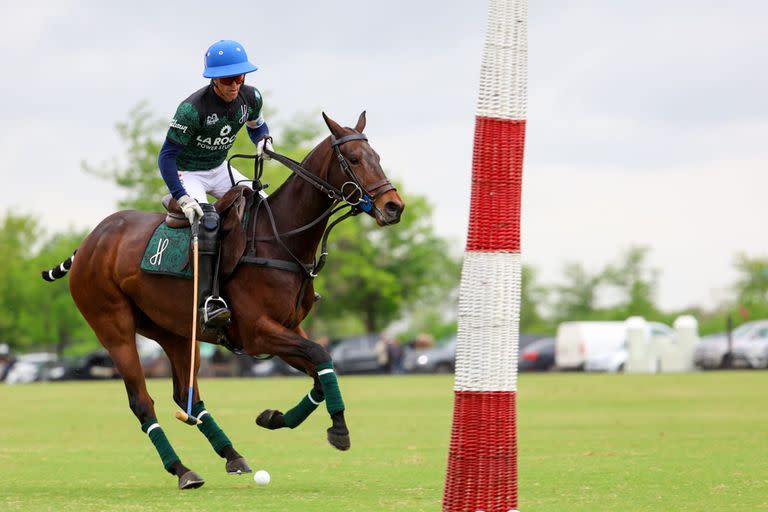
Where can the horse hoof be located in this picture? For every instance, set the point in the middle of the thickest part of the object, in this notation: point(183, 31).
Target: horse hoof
point(190, 480)
point(271, 419)
point(339, 441)
point(238, 466)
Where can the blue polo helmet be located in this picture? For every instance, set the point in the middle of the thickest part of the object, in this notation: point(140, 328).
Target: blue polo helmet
point(226, 58)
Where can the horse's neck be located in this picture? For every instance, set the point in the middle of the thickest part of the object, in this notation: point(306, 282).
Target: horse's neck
point(298, 203)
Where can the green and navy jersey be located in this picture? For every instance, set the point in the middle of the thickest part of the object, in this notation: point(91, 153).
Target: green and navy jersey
point(206, 126)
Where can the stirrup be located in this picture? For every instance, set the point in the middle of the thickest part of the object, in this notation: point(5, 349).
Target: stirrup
point(215, 313)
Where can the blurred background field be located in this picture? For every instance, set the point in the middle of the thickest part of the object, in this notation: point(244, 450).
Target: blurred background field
point(694, 441)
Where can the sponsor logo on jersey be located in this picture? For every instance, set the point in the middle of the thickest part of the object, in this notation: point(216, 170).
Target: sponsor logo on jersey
point(214, 143)
point(175, 124)
point(211, 119)
point(225, 130)
point(243, 114)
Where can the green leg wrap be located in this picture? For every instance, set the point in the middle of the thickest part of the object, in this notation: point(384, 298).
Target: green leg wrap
point(303, 409)
point(152, 428)
point(333, 400)
point(210, 428)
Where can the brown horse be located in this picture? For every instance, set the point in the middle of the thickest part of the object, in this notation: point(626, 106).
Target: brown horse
point(119, 300)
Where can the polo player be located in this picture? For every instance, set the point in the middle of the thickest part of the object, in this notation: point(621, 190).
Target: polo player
point(192, 160)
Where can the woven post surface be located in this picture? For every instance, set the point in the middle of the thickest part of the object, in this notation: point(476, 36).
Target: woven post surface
point(482, 458)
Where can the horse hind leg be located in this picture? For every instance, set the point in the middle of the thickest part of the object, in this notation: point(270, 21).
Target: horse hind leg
point(115, 330)
point(177, 349)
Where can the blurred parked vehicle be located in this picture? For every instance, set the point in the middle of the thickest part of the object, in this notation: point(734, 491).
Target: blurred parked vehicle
point(29, 367)
point(272, 367)
point(442, 359)
point(356, 355)
point(537, 356)
point(750, 348)
point(7, 359)
point(439, 359)
point(598, 346)
point(96, 365)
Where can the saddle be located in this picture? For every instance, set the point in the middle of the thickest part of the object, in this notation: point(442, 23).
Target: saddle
point(231, 209)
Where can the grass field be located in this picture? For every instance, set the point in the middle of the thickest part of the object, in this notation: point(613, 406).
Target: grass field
point(587, 442)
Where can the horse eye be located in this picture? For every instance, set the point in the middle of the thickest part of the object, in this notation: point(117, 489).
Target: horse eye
point(354, 161)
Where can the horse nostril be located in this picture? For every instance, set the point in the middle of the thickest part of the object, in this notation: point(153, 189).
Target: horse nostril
point(392, 208)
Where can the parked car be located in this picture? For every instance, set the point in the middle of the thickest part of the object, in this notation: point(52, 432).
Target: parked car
point(96, 365)
point(356, 355)
point(537, 356)
point(598, 346)
point(29, 367)
point(272, 367)
point(439, 359)
point(750, 347)
point(442, 359)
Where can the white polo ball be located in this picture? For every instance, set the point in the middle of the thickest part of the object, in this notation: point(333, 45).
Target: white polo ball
point(261, 477)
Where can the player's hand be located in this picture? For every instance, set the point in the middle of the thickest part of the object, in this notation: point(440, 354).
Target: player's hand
point(191, 208)
point(266, 142)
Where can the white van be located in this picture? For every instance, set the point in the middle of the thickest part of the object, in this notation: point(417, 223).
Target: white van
point(597, 346)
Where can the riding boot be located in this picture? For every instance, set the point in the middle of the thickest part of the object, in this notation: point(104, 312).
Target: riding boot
point(214, 312)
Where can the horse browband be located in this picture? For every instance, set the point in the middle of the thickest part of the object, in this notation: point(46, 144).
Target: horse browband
point(353, 136)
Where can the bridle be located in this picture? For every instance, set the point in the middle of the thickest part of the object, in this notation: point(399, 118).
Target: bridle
point(366, 197)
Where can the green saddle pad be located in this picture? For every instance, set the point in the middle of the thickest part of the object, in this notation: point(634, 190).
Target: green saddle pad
point(168, 252)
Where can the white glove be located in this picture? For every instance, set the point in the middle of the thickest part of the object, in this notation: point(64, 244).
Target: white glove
point(266, 141)
point(190, 207)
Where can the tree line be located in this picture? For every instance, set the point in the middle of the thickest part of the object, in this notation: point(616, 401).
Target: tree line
point(403, 277)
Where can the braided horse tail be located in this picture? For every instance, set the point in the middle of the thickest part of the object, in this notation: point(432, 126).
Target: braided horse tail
point(59, 271)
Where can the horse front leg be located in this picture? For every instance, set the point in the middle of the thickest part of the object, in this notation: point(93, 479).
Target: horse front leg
point(315, 361)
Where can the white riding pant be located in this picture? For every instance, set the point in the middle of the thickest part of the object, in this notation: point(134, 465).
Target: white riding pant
point(215, 182)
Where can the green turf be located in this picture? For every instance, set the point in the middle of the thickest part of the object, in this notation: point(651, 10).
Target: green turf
point(587, 442)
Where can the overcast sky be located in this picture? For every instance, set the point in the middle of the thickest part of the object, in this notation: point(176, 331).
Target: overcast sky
point(647, 121)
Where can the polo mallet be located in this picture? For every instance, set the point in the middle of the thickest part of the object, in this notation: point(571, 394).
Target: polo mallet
point(187, 417)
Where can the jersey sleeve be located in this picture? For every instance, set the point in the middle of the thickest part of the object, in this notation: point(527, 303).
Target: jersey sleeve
point(184, 124)
point(254, 107)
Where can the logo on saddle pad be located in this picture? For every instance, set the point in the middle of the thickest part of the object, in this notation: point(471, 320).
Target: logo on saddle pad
point(167, 252)
point(157, 258)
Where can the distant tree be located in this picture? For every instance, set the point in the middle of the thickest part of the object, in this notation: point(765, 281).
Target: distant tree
point(751, 287)
point(576, 299)
point(636, 283)
point(18, 235)
point(532, 297)
point(34, 313)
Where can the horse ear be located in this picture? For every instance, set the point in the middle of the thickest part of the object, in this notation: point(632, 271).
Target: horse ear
point(360, 126)
point(333, 126)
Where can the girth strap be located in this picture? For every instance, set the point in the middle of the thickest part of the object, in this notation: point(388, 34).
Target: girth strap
point(290, 266)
